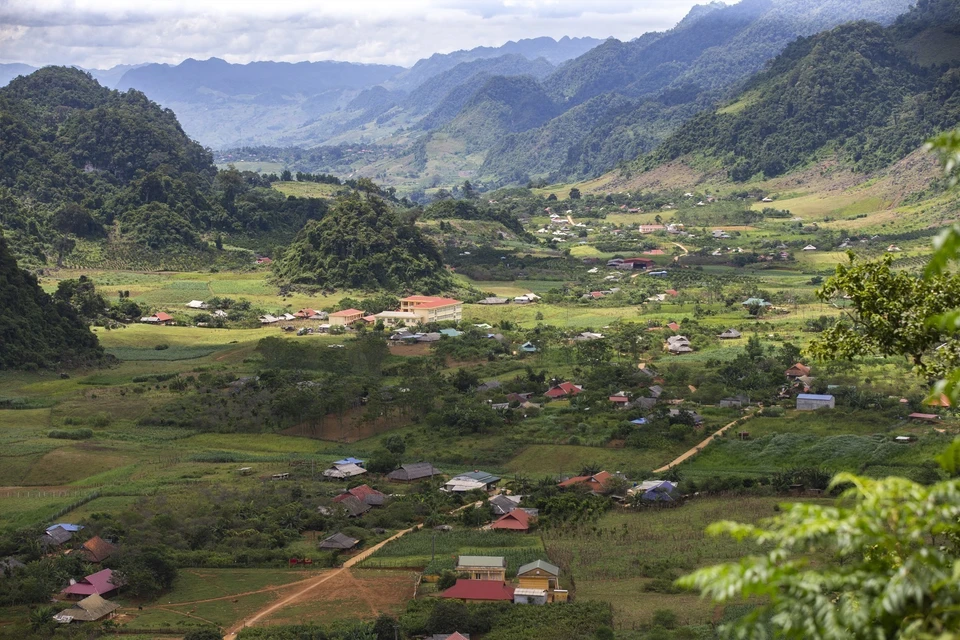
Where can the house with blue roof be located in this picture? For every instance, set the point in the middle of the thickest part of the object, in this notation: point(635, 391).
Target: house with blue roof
point(528, 347)
point(356, 461)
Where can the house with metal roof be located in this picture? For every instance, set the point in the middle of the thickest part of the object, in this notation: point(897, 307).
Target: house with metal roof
point(542, 576)
point(483, 568)
point(99, 583)
point(814, 401)
point(93, 608)
point(470, 481)
point(516, 520)
point(96, 550)
point(338, 542)
point(413, 472)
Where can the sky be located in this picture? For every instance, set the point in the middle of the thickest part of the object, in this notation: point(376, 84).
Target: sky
point(103, 33)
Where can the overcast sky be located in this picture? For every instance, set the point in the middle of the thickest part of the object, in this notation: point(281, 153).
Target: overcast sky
point(102, 33)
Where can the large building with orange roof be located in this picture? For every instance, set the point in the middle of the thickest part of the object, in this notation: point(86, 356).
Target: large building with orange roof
point(433, 309)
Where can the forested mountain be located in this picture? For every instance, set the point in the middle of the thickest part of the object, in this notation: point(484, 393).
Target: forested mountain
point(553, 51)
point(668, 76)
point(107, 77)
point(501, 105)
point(616, 101)
point(363, 244)
point(80, 161)
point(856, 91)
point(431, 93)
point(221, 104)
point(36, 330)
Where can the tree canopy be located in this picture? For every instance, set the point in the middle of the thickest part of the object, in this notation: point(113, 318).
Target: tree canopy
point(363, 244)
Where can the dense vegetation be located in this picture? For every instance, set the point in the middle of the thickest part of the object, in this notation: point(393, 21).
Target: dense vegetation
point(854, 91)
point(363, 244)
point(80, 160)
point(35, 329)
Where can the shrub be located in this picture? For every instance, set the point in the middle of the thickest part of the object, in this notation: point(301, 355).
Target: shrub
point(666, 618)
point(76, 434)
point(162, 347)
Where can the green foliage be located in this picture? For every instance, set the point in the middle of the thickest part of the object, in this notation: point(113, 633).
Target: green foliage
point(890, 312)
point(893, 543)
point(75, 434)
point(849, 90)
point(363, 244)
point(36, 330)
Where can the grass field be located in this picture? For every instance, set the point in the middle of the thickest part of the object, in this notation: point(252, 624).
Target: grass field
point(629, 552)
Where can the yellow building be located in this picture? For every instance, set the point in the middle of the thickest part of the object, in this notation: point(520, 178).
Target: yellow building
point(483, 567)
point(432, 308)
point(345, 317)
point(543, 576)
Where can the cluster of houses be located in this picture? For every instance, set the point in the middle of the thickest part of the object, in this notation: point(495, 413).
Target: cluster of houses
point(88, 594)
point(538, 582)
point(526, 298)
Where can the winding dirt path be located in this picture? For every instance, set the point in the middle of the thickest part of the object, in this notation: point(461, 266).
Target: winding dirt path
point(695, 450)
point(312, 584)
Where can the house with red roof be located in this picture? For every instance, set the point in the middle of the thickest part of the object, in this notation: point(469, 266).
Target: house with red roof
point(479, 591)
point(305, 313)
point(365, 494)
point(516, 520)
point(596, 483)
point(673, 326)
point(96, 550)
point(564, 390)
point(620, 400)
point(798, 370)
point(99, 583)
point(158, 318)
point(346, 317)
point(432, 308)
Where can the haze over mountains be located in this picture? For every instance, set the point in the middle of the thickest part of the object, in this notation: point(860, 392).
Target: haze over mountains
point(537, 109)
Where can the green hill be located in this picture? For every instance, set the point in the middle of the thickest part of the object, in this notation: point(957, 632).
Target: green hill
point(855, 91)
point(35, 330)
point(363, 244)
point(502, 105)
point(79, 161)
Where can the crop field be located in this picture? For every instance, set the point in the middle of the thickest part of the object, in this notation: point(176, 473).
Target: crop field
point(630, 558)
point(557, 460)
point(437, 550)
point(351, 595)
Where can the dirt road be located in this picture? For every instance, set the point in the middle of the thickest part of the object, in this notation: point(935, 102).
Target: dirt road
point(231, 633)
point(695, 450)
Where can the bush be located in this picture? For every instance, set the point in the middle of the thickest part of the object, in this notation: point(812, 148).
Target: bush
point(666, 618)
point(77, 434)
point(162, 347)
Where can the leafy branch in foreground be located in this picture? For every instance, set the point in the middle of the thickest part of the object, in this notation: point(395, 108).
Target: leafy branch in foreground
point(881, 563)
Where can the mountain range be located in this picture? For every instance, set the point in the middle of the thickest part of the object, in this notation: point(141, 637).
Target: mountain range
point(501, 121)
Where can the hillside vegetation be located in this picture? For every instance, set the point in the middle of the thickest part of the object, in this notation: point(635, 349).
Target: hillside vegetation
point(853, 91)
point(81, 162)
point(36, 330)
point(363, 244)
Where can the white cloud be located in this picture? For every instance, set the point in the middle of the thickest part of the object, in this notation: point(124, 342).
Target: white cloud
point(101, 33)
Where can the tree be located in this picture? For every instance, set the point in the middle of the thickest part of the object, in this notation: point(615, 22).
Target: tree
point(64, 246)
point(890, 312)
point(448, 616)
point(468, 191)
point(894, 545)
point(574, 194)
point(286, 176)
point(385, 627)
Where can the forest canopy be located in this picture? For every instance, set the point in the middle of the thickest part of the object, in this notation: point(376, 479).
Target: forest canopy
point(363, 244)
